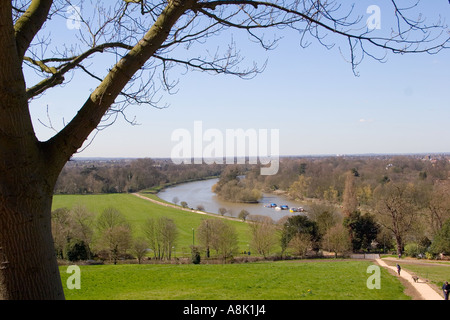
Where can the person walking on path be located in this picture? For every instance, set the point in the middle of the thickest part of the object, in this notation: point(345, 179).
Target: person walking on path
point(446, 290)
point(398, 269)
point(425, 291)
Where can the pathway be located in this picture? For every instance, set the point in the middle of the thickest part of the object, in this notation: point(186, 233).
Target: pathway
point(422, 287)
point(181, 208)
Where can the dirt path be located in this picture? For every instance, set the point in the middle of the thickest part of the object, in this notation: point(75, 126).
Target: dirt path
point(184, 209)
point(425, 291)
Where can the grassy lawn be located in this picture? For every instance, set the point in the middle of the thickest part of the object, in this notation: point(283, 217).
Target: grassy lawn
point(283, 280)
point(137, 211)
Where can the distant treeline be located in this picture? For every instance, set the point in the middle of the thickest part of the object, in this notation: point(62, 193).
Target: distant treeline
point(371, 200)
point(324, 178)
point(306, 177)
point(122, 176)
point(406, 198)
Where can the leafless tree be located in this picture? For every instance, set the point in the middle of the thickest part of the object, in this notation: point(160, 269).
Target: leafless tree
point(114, 233)
point(439, 205)
point(337, 240)
point(263, 231)
point(350, 201)
point(397, 210)
point(137, 43)
point(139, 248)
point(161, 234)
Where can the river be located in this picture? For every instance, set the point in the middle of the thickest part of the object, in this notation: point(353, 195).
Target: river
point(199, 193)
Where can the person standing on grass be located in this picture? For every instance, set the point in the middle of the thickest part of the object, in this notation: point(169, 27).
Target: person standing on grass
point(398, 269)
point(446, 290)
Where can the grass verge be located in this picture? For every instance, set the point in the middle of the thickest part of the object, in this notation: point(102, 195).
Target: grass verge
point(282, 280)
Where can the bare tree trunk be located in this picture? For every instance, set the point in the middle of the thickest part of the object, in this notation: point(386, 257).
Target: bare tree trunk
point(399, 242)
point(29, 168)
point(28, 268)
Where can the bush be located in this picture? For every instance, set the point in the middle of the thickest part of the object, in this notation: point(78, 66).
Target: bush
point(413, 250)
point(184, 204)
point(76, 250)
point(429, 255)
point(195, 255)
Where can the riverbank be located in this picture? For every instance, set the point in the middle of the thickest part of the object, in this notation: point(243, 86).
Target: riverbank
point(157, 189)
point(154, 199)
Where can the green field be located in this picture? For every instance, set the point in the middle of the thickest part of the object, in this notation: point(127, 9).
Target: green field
point(137, 211)
point(306, 279)
point(283, 280)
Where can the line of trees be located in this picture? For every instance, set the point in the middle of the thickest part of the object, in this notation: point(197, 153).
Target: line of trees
point(406, 197)
point(119, 176)
point(79, 235)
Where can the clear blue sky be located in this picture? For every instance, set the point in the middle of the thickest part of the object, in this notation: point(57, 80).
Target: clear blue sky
point(310, 95)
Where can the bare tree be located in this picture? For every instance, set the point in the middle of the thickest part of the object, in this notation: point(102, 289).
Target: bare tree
point(141, 41)
point(205, 234)
point(300, 243)
point(324, 215)
point(439, 205)
point(74, 224)
point(60, 229)
point(83, 226)
point(222, 211)
point(397, 210)
point(263, 231)
point(350, 201)
point(161, 234)
point(115, 233)
point(169, 234)
point(337, 240)
point(217, 235)
point(139, 248)
point(225, 240)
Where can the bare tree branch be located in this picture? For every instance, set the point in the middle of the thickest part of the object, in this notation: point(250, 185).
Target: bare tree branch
point(71, 138)
point(57, 73)
point(29, 24)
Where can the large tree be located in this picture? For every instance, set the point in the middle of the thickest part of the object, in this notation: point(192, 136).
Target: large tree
point(144, 39)
point(398, 208)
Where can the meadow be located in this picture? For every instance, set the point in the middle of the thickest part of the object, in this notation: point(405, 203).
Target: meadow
point(325, 279)
point(137, 211)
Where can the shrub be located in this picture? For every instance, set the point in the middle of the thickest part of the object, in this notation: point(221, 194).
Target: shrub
point(413, 250)
point(429, 255)
point(76, 250)
point(195, 255)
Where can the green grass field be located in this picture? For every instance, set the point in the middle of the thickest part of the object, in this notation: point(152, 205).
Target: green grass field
point(137, 211)
point(283, 280)
point(317, 279)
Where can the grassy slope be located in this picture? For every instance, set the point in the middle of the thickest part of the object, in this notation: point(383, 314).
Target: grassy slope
point(137, 211)
point(276, 280)
point(318, 280)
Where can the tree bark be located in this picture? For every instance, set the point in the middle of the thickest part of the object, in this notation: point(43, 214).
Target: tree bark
point(29, 168)
point(28, 267)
